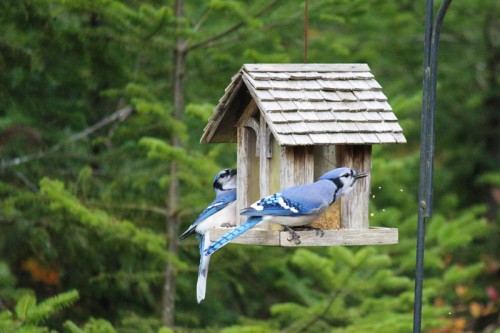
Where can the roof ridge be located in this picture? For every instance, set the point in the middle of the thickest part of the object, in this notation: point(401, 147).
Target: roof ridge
point(317, 67)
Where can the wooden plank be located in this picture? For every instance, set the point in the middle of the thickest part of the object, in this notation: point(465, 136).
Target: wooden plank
point(299, 172)
point(376, 236)
point(306, 68)
point(280, 95)
point(251, 237)
point(379, 95)
point(359, 84)
point(320, 138)
point(270, 106)
point(324, 159)
point(365, 95)
point(264, 95)
point(321, 106)
point(276, 118)
point(224, 129)
point(388, 116)
point(250, 110)
point(348, 127)
point(399, 137)
point(353, 138)
point(282, 128)
point(354, 207)
point(292, 116)
point(340, 237)
point(309, 164)
point(372, 116)
point(287, 167)
point(288, 106)
point(284, 139)
point(264, 165)
point(255, 126)
point(309, 116)
point(369, 138)
point(304, 105)
point(302, 139)
point(274, 181)
point(373, 84)
point(386, 137)
point(355, 107)
point(265, 85)
point(330, 96)
point(346, 96)
point(243, 175)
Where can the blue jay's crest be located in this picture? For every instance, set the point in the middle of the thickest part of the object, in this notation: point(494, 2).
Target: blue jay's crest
point(225, 180)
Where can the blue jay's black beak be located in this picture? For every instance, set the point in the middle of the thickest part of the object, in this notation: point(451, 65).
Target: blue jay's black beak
point(361, 175)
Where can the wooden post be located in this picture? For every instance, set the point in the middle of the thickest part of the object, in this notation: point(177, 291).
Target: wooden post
point(287, 167)
point(243, 175)
point(264, 165)
point(309, 164)
point(324, 160)
point(354, 207)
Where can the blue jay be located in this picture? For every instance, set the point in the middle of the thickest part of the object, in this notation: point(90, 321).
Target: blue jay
point(295, 206)
point(220, 213)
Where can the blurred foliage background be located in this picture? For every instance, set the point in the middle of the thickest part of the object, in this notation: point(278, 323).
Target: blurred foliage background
point(90, 127)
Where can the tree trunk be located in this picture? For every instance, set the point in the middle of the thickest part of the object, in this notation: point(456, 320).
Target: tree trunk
point(173, 220)
point(492, 119)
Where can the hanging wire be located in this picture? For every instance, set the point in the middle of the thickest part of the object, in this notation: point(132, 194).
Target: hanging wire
point(306, 31)
point(431, 45)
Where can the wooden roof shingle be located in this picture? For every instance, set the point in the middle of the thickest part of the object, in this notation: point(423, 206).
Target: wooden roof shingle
point(308, 104)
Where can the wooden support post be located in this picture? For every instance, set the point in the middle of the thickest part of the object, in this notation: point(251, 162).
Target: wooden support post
point(264, 166)
point(287, 167)
point(243, 175)
point(354, 207)
point(309, 164)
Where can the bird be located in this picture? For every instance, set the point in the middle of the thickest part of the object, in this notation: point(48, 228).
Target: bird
point(295, 206)
point(220, 213)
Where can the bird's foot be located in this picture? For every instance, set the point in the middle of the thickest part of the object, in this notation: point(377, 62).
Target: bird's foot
point(294, 237)
point(319, 231)
point(227, 225)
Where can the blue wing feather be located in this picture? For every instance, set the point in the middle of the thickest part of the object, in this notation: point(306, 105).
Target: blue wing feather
point(277, 204)
point(218, 204)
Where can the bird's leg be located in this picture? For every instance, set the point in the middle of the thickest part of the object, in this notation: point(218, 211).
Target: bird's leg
point(319, 231)
point(294, 236)
point(227, 225)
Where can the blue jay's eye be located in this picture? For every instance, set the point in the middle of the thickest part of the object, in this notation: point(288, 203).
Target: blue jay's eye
point(346, 175)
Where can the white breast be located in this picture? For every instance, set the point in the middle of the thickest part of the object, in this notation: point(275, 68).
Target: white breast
point(291, 221)
point(226, 215)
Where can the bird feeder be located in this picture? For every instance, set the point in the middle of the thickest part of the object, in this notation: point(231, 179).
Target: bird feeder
point(294, 122)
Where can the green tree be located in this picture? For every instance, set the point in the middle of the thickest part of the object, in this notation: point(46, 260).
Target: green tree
point(90, 129)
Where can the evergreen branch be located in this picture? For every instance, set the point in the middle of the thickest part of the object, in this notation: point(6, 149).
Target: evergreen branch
point(320, 315)
point(119, 115)
point(212, 40)
point(203, 18)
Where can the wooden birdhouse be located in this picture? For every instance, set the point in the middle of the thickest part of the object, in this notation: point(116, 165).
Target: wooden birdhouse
point(294, 122)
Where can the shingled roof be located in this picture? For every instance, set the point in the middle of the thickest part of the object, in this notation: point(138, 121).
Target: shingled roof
point(308, 104)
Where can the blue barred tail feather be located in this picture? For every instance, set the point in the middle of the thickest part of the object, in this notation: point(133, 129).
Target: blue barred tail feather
point(226, 238)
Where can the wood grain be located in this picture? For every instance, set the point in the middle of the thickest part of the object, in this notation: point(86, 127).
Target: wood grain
point(371, 236)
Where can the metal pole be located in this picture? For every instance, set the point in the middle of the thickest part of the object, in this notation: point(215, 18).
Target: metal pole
point(431, 45)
